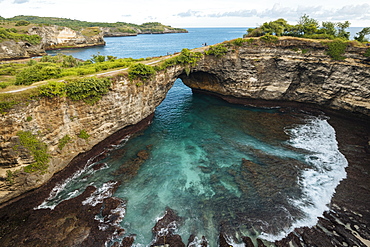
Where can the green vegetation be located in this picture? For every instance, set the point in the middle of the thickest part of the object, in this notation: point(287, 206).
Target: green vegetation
point(309, 28)
point(238, 42)
point(90, 90)
point(38, 72)
point(22, 23)
point(90, 31)
point(367, 52)
point(269, 38)
point(217, 50)
point(62, 142)
point(306, 28)
point(11, 34)
point(53, 89)
point(10, 176)
point(360, 36)
point(83, 134)
point(337, 49)
point(37, 149)
point(53, 67)
point(186, 57)
point(140, 71)
point(28, 118)
point(9, 100)
point(151, 27)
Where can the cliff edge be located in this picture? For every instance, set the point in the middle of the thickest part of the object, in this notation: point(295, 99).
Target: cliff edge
point(290, 70)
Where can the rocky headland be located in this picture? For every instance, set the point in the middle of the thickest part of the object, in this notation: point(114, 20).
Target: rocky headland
point(287, 73)
point(290, 70)
point(55, 37)
point(52, 37)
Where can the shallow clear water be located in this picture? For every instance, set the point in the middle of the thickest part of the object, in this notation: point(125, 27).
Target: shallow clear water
point(221, 167)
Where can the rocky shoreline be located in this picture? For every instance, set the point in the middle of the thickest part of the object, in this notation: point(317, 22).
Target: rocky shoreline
point(72, 223)
point(56, 37)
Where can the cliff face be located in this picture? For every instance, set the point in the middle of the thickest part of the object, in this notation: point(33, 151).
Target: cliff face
point(117, 32)
point(126, 104)
point(54, 37)
point(289, 70)
point(16, 50)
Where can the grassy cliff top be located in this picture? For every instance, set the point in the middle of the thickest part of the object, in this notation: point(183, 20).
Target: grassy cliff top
point(77, 24)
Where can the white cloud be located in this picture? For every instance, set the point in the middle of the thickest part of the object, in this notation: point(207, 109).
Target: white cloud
point(347, 12)
point(190, 13)
point(20, 1)
point(193, 13)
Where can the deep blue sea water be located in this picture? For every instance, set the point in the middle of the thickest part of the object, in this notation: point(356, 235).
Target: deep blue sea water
point(152, 45)
point(221, 167)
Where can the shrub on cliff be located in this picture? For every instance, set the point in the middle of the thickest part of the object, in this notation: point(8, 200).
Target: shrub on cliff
point(186, 57)
point(90, 90)
point(22, 23)
point(336, 49)
point(217, 50)
point(53, 89)
point(37, 72)
point(267, 38)
point(38, 150)
point(238, 42)
point(6, 34)
point(367, 52)
point(140, 71)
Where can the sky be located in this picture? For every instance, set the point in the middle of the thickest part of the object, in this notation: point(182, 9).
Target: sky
point(193, 13)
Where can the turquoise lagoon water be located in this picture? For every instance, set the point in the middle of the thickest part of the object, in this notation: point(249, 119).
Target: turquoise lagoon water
point(221, 167)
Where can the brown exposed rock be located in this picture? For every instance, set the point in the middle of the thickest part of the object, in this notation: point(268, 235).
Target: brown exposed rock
point(17, 50)
point(261, 73)
point(164, 230)
point(55, 37)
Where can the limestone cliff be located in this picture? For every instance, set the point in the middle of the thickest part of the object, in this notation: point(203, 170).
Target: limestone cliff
point(118, 32)
point(51, 119)
point(289, 70)
point(17, 50)
point(54, 37)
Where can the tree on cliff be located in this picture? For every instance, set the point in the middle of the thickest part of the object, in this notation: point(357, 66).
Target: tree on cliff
point(360, 36)
point(306, 27)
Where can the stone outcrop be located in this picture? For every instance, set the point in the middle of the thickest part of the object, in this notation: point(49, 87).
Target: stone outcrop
point(289, 70)
point(17, 50)
point(117, 32)
point(54, 37)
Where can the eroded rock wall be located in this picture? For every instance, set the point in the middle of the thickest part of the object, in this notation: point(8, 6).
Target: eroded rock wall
point(17, 50)
point(50, 120)
point(54, 37)
point(289, 70)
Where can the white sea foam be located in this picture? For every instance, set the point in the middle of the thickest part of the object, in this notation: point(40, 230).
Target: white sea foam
point(55, 197)
point(318, 183)
point(231, 242)
point(100, 194)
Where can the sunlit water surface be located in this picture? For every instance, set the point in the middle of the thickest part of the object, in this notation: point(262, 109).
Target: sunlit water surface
point(221, 167)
